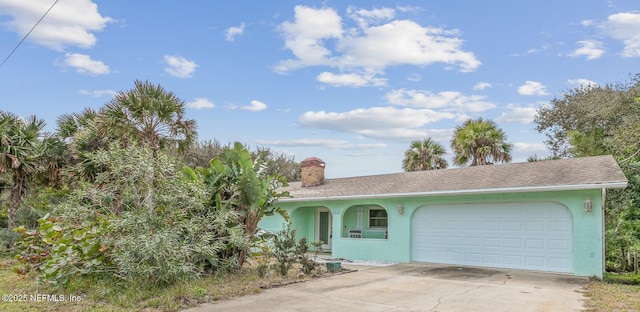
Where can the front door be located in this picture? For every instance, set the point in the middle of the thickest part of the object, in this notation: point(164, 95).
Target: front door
point(323, 227)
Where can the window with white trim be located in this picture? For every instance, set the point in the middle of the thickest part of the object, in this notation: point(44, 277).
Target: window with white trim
point(377, 218)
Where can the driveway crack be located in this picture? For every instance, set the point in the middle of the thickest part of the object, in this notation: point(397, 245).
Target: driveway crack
point(449, 295)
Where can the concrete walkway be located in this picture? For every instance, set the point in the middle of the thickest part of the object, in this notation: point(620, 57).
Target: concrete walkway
point(418, 287)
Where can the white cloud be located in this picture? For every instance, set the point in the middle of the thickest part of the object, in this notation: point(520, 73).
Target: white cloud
point(405, 42)
point(97, 93)
point(326, 143)
point(254, 106)
point(532, 88)
point(69, 23)
point(179, 67)
point(365, 17)
point(376, 122)
point(581, 82)
point(591, 49)
point(446, 100)
point(481, 86)
point(200, 103)
point(317, 38)
point(625, 27)
point(518, 114)
point(85, 65)
point(232, 32)
point(586, 23)
point(351, 80)
point(305, 36)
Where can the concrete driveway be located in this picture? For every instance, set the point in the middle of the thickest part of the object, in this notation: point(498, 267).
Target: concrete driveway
point(418, 287)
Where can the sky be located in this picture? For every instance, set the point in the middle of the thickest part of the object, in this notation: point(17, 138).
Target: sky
point(350, 82)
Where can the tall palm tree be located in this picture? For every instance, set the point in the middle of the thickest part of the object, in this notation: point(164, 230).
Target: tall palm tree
point(20, 152)
point(424, 155)
point(149, 115)
point(480, 142)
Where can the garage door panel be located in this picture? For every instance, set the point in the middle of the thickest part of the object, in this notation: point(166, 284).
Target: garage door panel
point(512, 225)
point(513, 260)
point(536, 236)
point(535, 226)
point(491, 242)
point(536, 244)
point(560, 244)
point(473, 242)
point(535, 262)
point(512, 243)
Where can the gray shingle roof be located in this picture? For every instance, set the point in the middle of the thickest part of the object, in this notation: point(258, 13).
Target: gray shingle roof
point(564, 174)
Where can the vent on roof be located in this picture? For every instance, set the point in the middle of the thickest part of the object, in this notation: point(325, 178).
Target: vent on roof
point(312, 171)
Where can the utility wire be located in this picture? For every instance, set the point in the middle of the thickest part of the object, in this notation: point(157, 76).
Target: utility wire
point(27, 35)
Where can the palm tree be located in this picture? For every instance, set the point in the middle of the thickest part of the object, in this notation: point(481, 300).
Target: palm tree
point(80, 133)
point(20, 152)
point(480, 142)
point(149, 115)
point(424, 155)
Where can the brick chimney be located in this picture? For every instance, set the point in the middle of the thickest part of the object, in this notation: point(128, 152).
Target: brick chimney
point(312, 171)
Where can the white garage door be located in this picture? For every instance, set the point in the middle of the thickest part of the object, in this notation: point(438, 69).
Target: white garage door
point(530, 236)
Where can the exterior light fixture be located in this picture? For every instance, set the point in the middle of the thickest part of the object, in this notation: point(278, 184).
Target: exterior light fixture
point(400, 209)
point(587, 205)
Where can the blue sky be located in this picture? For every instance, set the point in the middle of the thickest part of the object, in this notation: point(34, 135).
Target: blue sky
point(350, 82)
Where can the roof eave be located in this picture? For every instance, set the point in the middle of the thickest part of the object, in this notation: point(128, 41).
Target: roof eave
point(573, 187)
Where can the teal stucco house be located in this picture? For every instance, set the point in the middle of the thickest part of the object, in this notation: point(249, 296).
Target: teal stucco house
point(541, 216)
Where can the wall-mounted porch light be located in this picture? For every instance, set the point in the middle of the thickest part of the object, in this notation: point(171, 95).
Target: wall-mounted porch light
point(587, 205)
point(400, 209)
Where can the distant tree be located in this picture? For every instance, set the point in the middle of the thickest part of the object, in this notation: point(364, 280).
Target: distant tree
point(277, 163)
point(20, 152)
point(150, 115)
point(534, 158)
point(480, 142)
point(201, 153)
point(424, 155)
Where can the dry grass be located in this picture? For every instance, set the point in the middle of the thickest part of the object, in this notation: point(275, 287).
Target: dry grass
point(103, 296)
point(606, 296)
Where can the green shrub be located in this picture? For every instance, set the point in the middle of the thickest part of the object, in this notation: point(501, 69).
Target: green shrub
point(284, 250)
point(28, 217)
point(7, 239)
point(308, 265)
point(62, 250)
point(629, 279)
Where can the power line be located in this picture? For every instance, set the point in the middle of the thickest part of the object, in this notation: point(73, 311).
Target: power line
point(27, 35)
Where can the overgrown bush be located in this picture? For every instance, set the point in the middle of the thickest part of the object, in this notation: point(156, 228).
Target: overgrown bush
point(139, 222)
point(263, 254)
point(308, 265)
point(284, 250)
point(7, 239)
point(61, 250)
